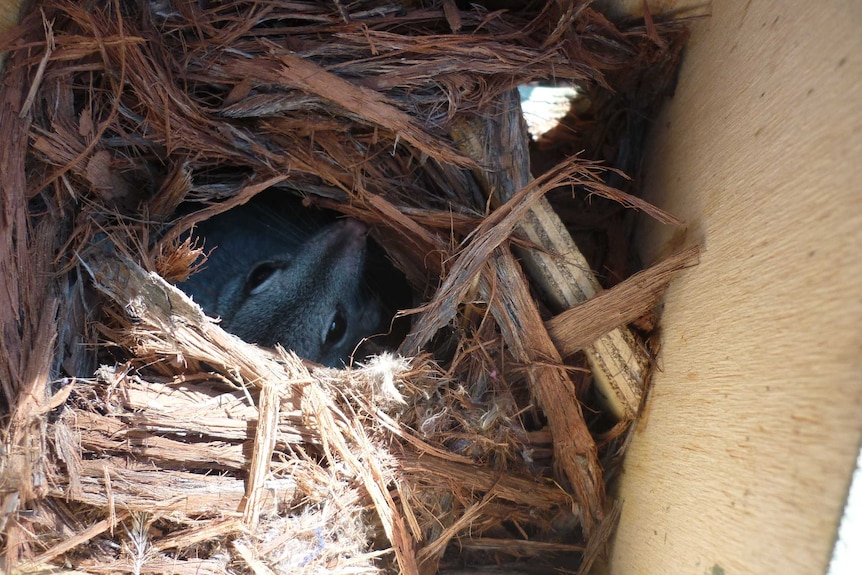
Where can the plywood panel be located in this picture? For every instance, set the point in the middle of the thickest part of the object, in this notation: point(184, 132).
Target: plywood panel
point(742, 462)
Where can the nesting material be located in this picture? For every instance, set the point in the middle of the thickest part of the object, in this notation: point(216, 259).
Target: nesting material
point(140, 437)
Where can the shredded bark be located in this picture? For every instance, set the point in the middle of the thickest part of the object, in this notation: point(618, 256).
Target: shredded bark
point(140, 437)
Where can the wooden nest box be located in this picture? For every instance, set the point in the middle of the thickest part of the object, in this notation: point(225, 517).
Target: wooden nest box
point(513, 427)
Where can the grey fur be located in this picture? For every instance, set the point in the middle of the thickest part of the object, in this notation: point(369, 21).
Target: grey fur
point(271, 281)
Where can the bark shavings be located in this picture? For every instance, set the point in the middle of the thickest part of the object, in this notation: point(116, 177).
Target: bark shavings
point(140, 437)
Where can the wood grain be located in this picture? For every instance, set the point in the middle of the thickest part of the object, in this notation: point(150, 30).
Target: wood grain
point(742, 461)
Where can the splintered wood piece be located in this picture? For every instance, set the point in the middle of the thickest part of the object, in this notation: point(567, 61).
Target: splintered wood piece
point(303, 74)
point(156, 309)
point(28, 318)
point(531, 494)
point(619, 363)
point(578, 327)
point(180, 494)
point(264, 446)
point(71, 542)
point(488, 235)
point(194, 409)
point(574, 448)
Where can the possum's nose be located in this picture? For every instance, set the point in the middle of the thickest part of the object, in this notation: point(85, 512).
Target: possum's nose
point(354, 227)
point(350, 235)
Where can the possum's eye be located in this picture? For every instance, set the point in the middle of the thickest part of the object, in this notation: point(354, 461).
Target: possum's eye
point(337, 327)
point(259, 275)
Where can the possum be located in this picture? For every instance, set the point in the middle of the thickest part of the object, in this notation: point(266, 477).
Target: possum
point(273, 277)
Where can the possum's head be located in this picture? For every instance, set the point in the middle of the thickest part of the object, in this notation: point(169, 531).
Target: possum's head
point(311, 301)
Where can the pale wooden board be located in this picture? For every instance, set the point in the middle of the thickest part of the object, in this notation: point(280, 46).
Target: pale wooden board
point(742, 462)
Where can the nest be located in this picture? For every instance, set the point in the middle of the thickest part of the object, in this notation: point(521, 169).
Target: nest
point(140, 437)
